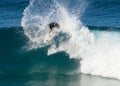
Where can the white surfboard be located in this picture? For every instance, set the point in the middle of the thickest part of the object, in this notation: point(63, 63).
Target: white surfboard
point(49, 37)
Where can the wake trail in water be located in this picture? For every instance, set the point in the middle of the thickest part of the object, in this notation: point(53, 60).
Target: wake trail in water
point(94, 48)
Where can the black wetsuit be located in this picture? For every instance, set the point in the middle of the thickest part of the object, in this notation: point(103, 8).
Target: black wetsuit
point(51, 25)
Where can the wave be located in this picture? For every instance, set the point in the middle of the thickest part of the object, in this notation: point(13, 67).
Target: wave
point(99, 50)
point(19, 61)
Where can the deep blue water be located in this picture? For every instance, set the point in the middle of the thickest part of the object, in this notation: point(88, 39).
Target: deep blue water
point(102, 13)
point(11, 12)
point(96, 12)
point(19, 67)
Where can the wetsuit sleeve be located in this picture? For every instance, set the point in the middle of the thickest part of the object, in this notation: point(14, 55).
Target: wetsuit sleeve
point(51, 25)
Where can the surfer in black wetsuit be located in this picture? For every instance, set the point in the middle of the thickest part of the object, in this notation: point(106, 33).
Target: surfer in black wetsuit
point(52, 25)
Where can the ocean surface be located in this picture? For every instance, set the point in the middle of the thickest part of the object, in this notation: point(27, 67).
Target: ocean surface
point(84, 52)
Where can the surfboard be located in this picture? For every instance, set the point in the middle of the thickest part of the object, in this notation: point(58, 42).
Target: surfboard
point(49, 37)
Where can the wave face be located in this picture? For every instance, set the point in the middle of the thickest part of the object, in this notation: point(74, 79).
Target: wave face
point(21, 67)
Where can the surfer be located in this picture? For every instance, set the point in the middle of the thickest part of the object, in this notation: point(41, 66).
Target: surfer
point(52, 25)
point(51, 33)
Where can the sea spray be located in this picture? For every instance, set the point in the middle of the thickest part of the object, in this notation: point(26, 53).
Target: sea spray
point(36, 27)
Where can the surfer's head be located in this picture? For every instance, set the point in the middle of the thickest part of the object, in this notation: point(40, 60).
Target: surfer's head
point(56, 24)
point(53, 24)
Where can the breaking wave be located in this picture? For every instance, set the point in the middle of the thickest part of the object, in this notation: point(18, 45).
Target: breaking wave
point(98, 50)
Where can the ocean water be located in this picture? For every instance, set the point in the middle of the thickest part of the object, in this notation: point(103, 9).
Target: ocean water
point(85, 51)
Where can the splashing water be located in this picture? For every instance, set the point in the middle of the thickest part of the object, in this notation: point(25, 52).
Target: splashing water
point(73, 38)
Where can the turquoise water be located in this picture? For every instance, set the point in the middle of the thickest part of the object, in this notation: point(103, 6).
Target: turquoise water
point(92, 60)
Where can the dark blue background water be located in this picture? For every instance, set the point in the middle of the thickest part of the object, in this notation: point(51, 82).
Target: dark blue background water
point(97, 13)
point(11, 12)
point(102, 13)
point(21, 68)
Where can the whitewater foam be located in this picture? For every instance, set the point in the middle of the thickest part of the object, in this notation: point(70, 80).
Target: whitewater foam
point(103, 59)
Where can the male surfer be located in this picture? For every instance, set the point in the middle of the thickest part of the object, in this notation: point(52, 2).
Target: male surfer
point(52, 25)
